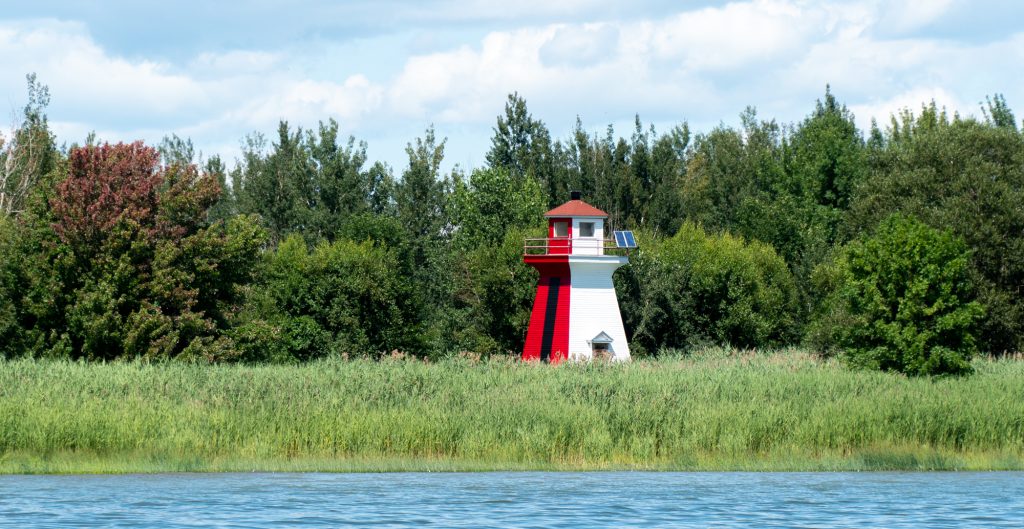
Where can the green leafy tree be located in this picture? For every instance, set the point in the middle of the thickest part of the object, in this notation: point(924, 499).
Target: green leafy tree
point(580, 160)
point(493, 296)
point(421, 206)
point(308, 183)
point(420, 195)
point(668, 169)
point(997, 113)
point(522, 146)
point(129, 264)
point(697, 288)
point(491, 204)
point(493, 289)
point(967, 177)
point(907, 300)
point(341, 298)
point(826, 154)
point(12, 334)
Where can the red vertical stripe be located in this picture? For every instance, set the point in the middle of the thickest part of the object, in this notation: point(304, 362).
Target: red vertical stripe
point(535, 335)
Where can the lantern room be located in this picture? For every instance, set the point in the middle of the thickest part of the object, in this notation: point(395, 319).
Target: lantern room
point(576, 228)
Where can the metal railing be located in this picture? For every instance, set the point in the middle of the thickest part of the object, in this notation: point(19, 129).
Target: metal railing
point(568, 246)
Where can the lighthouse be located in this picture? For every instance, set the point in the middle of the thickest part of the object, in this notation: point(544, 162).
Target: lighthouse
point(575, 312)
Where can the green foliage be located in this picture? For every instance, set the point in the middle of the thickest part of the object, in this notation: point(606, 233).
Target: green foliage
point(907, 301)
point(125, 263)
point(696, 287)
point(494, 211)
point(11, 331)
point(803, 182)
point(998, 114)
point(826, 154)
point(668, 168)
point(491, 204)
point(966, 177)
point(522, 147)
point(308, 183)
point(492, 297)
point(340, 299)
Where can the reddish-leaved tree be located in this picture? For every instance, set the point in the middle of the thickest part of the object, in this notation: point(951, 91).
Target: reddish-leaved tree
point(105, 185)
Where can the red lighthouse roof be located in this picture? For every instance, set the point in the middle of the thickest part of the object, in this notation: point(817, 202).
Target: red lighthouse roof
point(576, 208)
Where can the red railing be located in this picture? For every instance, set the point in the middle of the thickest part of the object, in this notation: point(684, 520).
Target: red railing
point(568, 246)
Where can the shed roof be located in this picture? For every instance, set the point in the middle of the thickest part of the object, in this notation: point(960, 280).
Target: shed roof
point(576, 208)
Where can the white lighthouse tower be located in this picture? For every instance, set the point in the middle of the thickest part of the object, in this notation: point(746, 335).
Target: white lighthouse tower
point(575, 313)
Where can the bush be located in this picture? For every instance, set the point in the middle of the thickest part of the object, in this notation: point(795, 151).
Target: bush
point(696, 288)
point(905, 302)
point(342, 298)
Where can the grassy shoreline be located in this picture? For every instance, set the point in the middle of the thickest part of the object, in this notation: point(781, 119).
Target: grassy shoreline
point(715, 410)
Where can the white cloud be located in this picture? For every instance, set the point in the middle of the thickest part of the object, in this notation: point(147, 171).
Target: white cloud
point(739, 33)
point(701, 64)
point(81, 75)
point(882, 109)
point(308, 101)
point(213, 97)
point(581, 45)
point(236, 62)
point(901, 16)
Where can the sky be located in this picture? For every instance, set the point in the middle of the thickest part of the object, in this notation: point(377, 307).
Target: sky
point(386, 70)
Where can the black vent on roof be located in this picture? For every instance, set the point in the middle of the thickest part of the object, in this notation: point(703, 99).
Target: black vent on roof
point(575, 195)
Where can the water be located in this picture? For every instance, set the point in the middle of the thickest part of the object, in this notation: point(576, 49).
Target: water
point(503, 500)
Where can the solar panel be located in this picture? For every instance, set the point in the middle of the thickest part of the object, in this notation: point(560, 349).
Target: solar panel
point(625, 239)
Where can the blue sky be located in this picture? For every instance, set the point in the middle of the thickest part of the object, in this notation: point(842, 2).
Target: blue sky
point(216, 71)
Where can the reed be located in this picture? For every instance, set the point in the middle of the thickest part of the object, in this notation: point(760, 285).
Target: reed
point(716, 409)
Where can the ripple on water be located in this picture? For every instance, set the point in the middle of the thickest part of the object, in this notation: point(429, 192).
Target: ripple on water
point(530, 499)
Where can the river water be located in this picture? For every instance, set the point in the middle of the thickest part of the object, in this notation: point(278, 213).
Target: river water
point(503, 500)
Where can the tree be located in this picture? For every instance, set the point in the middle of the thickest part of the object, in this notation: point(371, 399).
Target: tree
point(12, 332)
point(997, 113)
point(697, 287)
point(493, 289)
point(419, 197)
point(967, 177)
point(341, 298)
point(522, 146)
point(493, 203)
point(826, 154)
point(668, 168)
point(308, 183)
point(29, 154)
point(907, 300)
point(135, 267)
point(421, 205)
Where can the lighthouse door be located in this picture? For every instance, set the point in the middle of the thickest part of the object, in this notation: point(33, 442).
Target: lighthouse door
point(559, 242)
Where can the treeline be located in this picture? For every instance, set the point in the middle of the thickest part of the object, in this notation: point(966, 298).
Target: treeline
point(901, 245)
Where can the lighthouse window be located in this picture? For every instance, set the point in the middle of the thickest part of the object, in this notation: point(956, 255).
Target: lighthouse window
point(586, 229)
point(561, 229)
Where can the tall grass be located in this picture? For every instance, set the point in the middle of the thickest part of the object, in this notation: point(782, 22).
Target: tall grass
point(716, 409)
